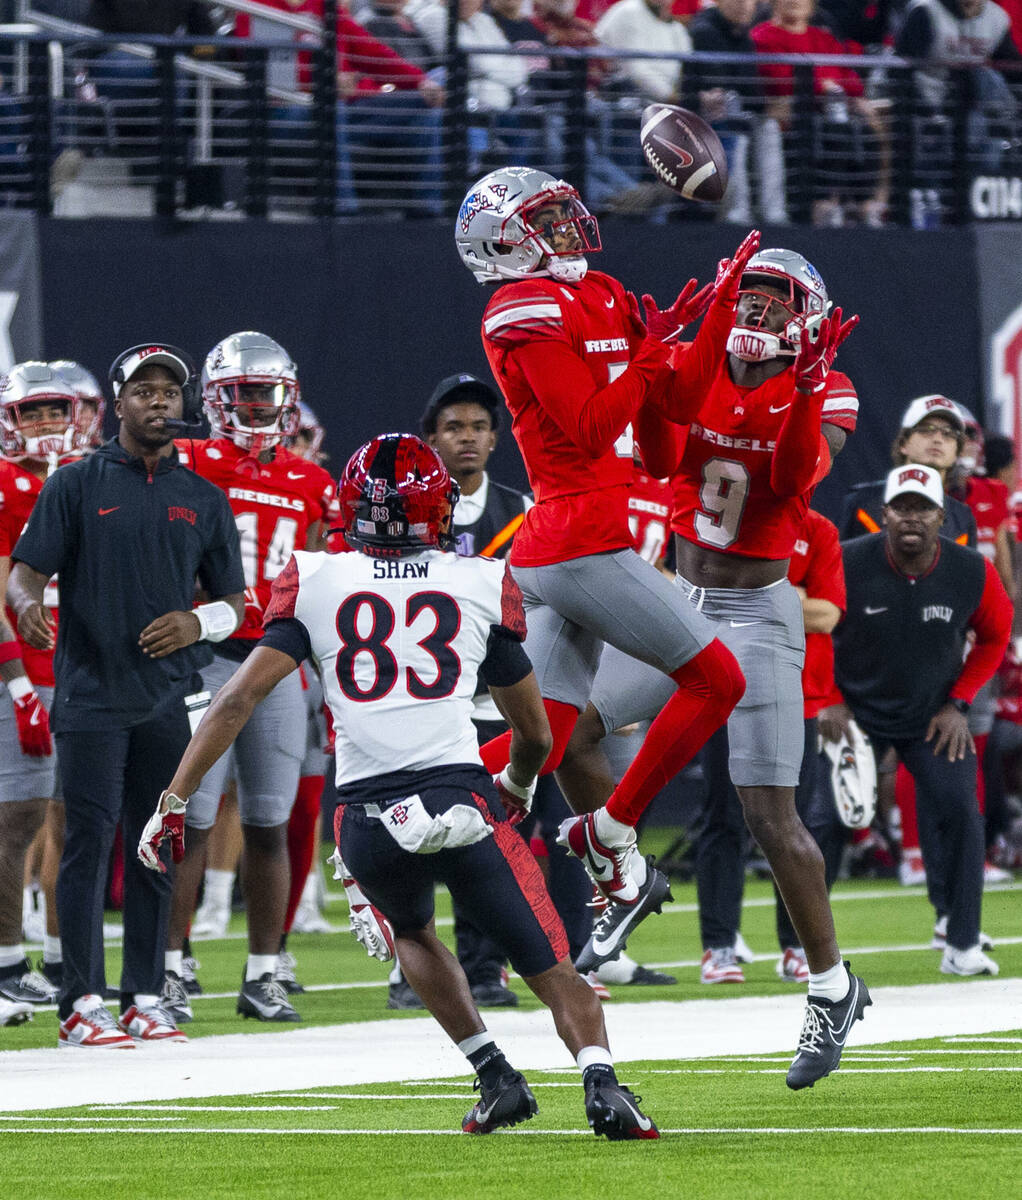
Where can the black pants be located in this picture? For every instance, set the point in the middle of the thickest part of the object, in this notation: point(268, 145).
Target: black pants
point(110, 776)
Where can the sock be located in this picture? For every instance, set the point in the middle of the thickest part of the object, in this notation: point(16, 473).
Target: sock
point(617, 970)
point(301, 839)
point(186, 947)
point(496, 754)
point(218, 888)
point(487, 1059)
point(52, 950)
point(831, 984)
point(259, 965)
point(172, 961)
point(596, 1063)
point(709, 686)
point(11, 956)
point(145, 1000)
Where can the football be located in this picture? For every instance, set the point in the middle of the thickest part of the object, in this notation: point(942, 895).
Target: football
point(684, 152)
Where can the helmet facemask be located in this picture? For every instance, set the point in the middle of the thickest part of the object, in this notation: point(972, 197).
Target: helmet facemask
point(25, 437)
point(562, 236)
point(790, 302)
point(230, 410)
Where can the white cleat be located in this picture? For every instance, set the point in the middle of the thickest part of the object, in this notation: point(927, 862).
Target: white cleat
point(967, 962)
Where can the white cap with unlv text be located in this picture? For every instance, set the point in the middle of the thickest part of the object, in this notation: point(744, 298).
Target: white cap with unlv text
point(151, 356)
point(912, 477)
point(933, 406)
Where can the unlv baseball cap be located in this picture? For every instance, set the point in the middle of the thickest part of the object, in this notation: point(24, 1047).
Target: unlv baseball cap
point(461, 389)
point(933, 406)
point(912, 477)
point(148, 356)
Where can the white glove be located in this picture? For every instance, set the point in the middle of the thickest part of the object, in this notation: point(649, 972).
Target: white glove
point(167, 823)
point(368, 924)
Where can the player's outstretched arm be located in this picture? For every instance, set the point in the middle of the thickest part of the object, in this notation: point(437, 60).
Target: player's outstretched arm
point(521, 705)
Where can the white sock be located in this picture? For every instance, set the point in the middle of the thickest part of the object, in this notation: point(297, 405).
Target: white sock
point(476, 1042)
point(10, 956)
point(612, 832)
point(258, 965)
point(832, 984)
point(144, 1000)
point(52, 950)
point(590, 1056)
point(617, 970)
point(172, 961)
point(218, 888)
point(637, 867)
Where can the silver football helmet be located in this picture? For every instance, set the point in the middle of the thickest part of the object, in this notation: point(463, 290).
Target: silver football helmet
point(91, 403)
point(313, 432)
point(249, 371)
point(502, 232)
point(22, 434)
point(805, 306)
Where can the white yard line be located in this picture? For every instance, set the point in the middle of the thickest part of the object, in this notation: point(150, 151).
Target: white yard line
point(795, 1131)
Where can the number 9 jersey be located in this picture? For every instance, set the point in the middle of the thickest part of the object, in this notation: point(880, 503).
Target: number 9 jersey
point(399, 642)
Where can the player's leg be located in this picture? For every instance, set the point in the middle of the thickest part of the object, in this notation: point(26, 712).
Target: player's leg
point(303, 912)
point(223, 855)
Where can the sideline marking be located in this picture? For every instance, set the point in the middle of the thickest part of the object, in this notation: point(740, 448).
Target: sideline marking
point(812, 1131)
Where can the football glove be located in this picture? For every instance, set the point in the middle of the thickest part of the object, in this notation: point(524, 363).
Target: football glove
point(665, 325)
point(730, 270)
point(816, 355)
point(33, 723)
point(367, 923)
point(517, 800)
point(167, 822)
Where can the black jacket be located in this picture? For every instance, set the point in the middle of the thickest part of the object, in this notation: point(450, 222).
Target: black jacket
point(863, 513)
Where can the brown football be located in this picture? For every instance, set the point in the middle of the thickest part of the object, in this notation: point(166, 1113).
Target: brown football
point(684, 152)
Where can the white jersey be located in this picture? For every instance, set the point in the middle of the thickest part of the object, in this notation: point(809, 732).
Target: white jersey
point(398, 643)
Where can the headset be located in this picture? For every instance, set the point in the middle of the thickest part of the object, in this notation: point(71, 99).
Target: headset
point(191, 397)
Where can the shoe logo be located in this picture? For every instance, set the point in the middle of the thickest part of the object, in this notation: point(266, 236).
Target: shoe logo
point(296, 474)
point(644, 1123)
point(872, 612)
point(104, 511)
point(780, 408)
point(600, 946)
point(742, 624)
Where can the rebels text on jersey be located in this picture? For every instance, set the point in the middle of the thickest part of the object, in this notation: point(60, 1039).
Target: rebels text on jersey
point(18, 492)
point(274, 505)
point(398, 643)
point(649, 515)
point(551, 345)
point(723, 495)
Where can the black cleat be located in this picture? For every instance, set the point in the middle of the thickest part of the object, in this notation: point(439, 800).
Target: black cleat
point(284, 973)
point(174, 998)
point(611, 931)
point(509, 1102)
point(826, 1026)
point(643, 976)
point(402, 995)
point(23, 984)
point(266, 1000)
point(613, 1111)
point(189, 977)
point(493, 995)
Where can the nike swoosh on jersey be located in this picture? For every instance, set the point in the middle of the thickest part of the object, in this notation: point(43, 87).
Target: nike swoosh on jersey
point(296, 475)
point(983, 507)
point(104, 511)
point(780, 408)
point(742, 624)
point(872, 612)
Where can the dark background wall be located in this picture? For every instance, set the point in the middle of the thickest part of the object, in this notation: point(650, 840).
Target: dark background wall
point(374, 316)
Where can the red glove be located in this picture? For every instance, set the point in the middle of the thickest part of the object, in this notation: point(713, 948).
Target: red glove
point(517, 800)
point(730, 270)
point(33, 725)
point(816, 355)
point(665, 325)
point(168, 822)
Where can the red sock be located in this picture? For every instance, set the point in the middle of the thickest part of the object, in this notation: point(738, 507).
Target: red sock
point(709, 686)
point(905, 798)
point(981, 784)
point(301, 833)
point(496, 754)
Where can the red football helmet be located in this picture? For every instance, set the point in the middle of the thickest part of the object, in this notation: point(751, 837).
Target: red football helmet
point(396, 497)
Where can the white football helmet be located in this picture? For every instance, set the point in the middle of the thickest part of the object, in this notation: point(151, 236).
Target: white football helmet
point(27, 384)
point(805, 307)
point(497, 236)
point(91, 403)
point(250, 360)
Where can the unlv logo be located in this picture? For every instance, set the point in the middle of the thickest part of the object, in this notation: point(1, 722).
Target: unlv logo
point(1006, 375)
point(150, 350)
point(938, 402)
point(912, 473)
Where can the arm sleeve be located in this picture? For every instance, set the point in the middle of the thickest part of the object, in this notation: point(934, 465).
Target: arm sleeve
point(796, 458)
point(48, 539)
point(506, 662)
point(661, 442)
point(367, 56)
point(289, 636)
point(695, 365)
point(825, 574)
point(992, 625)
point(220, 571)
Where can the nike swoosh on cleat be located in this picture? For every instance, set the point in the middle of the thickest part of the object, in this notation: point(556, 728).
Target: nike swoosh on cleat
point(599, 947)
point(644, 1123)
point(850, 1018)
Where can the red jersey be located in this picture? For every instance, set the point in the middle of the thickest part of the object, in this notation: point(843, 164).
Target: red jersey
point(816, 566)
point(18, 492)
point(561, 353)
point(989, 501)
point(772, 39)
point(274, 505)
point(649, 516)
point(1009, 686)
point(724, 490)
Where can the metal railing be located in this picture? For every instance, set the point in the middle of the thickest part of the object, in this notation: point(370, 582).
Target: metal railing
point(267, 127)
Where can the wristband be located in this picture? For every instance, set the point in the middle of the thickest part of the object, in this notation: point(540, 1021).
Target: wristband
point(963, 706)
point(20, 687)
point(217, 620)
point(9, 651)
point(516, 789)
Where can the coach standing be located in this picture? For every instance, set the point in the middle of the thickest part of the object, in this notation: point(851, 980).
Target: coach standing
point(130, 531)
point(913, 597)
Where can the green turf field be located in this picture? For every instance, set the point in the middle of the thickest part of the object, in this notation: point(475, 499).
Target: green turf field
point(902, 1118)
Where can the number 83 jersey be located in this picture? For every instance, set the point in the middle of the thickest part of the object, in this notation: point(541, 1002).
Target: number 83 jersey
point(723, 498)
point(398, 643)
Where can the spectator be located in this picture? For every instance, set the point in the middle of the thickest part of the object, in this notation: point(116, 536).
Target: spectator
point(164, 17)
point(126, 672)
point(730, 97)
point(912, 599)
point(646, 25)
point(387, 20)
point(851, 145)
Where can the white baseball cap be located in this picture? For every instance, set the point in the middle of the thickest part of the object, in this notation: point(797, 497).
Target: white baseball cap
point(149, 356)
point(913, 477)
point(933, 406)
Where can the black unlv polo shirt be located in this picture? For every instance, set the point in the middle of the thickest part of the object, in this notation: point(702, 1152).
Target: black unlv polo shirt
point(127, 547)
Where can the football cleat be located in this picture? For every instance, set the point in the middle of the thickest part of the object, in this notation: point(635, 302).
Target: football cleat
point(793, 966)
point(12, 1013)
point(174, 998)
point(211, 921)
point(597, 984)
point(284, 973)
point(743, 952)
point(266, 1000)
point(720, 966)
point(25, 985)
point(824, 1031)
point(939, 939)
point(611, 931)
point(509, 1102)
point(613, 1111)
point(92, 1027)
point(401, 994)
point(911, 869)
point(967, 962)
point(189, 975)
point(150, 1023)
point(493, 995)
point(607, 866)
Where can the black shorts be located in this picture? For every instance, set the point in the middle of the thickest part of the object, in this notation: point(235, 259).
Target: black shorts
point(496, 879)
